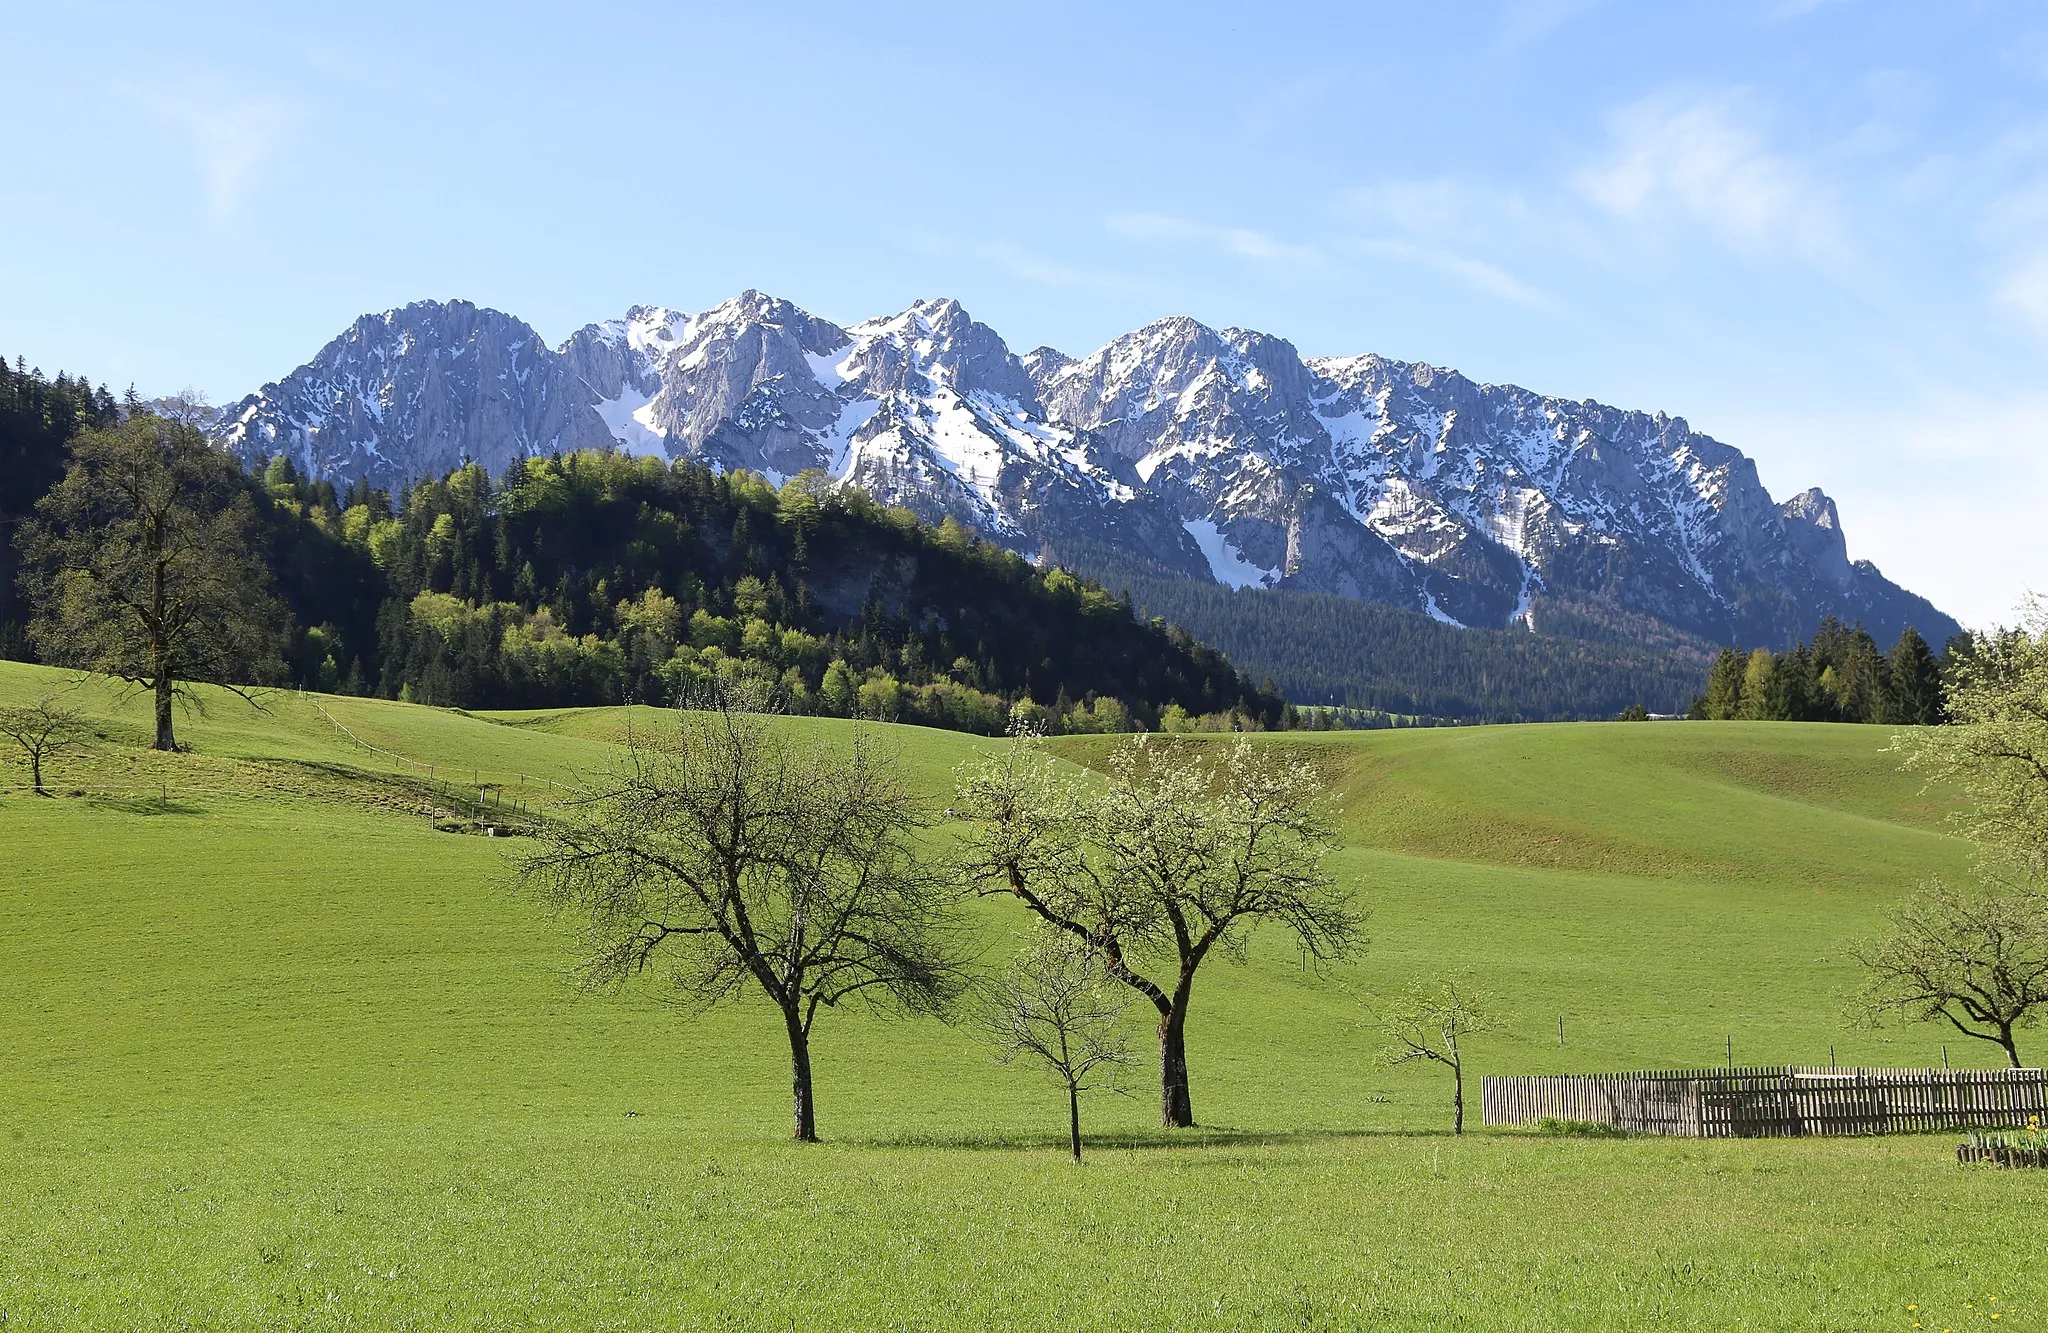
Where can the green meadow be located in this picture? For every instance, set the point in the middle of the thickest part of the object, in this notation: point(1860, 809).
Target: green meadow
point(276, 1052)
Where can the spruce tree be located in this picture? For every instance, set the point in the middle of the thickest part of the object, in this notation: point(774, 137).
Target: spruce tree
point(1913, 696)
point(1724, 686)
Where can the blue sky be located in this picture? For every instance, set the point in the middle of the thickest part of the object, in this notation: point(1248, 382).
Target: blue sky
point(1817, 230)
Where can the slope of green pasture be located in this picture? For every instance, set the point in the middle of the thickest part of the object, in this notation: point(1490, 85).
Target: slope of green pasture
point(275, 1054)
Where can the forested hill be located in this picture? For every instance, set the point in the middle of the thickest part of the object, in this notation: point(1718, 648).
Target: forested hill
point(1321, 649)
point(38, 417)
point(600, 578)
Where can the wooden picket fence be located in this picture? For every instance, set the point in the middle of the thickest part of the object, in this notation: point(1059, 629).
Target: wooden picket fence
point(1773, 1101)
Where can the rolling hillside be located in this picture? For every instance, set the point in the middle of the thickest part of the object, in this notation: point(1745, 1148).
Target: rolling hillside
point(274, 1052)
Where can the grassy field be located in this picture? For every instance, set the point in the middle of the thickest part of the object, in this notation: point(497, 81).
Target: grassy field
point(276, 1053)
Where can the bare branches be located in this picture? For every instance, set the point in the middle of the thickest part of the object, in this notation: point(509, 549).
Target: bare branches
point(1059, 1007)
point(1432, 1023)
point(1183, 851)
point(44, 730)
point(1976, 959)
point(725, 850)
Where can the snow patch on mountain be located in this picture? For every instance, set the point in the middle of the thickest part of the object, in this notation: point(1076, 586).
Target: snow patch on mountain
point(630, 419)
point(1226, 564)
point(1218, 453)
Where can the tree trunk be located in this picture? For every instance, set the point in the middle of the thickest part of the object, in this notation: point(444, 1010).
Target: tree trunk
point(35, 768)
point(1074, 1119)
point(1176, 1105)
point(164, 685)
point(1458, 1098)
point(2012, 1048)
point(800, 1079)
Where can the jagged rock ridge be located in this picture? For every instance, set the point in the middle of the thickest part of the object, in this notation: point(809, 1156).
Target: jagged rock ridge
point(1207, 453)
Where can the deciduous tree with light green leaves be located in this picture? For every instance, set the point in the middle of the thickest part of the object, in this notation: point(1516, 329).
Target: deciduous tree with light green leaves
point(1179, 850)
point(1432, 1023)
point(1977, 957)
point(1995, 752)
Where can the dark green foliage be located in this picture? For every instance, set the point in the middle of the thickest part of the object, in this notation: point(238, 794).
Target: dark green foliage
point(1723, 698)
point(38, 417)
point(145, 563)
point(1915, 693)
point(1329, 650)
point(1839, 677)
point(599, 578)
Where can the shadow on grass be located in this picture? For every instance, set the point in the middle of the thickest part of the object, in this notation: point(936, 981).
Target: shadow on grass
point(145, 805)
point(1204, 1136)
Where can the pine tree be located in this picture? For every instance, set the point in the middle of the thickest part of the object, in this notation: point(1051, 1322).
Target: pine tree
point(1913, 696)
point(1724, 686)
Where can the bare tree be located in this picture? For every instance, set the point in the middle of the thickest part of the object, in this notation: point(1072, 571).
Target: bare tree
point(1977, 959)
point(1181, 853)
point(740, 857)
point(1431, 1023)
point(1059, 1006)
point(188, 407)
point(142, 564)
point(44, 730)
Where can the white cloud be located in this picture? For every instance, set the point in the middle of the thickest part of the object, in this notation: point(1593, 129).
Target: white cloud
point(1431, 207)
point(1482, 277)
point(1792, 9)
point(1434, 211)
point(2023, 288)
point(2014, 230)
point(1239, 241)
point(1049, 272)
point(1524, 21)
point(232, 135)
point(1703, 161)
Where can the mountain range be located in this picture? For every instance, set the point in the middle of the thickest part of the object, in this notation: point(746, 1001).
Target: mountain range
point(1177, 450)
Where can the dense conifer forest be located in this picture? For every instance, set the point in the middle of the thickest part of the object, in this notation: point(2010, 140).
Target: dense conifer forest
point(1328, 650)
point(38, 417)
point(1840, 676)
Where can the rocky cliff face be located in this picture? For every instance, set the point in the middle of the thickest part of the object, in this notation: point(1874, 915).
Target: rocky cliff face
point(1209, 453)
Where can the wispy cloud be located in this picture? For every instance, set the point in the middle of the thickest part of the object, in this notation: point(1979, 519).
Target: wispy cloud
point(1525, 21)
point(232, 134)
point(2022, 288)
point(1046, 272)
point(1433, 207)
point(1702, 160)
point(1434, 220)
point(1487, 279)
point(2014, 231)
point(1016, 261)
point(1239, 241)
point(1792, 9)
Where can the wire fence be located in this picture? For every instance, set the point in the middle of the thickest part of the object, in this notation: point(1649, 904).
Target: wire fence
point(479, 777)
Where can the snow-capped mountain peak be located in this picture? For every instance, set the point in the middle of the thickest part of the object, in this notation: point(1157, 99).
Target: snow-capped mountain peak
point(1213, 453)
